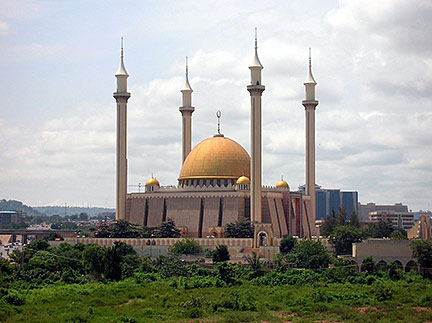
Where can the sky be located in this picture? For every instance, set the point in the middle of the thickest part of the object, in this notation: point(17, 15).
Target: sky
point(372, 61)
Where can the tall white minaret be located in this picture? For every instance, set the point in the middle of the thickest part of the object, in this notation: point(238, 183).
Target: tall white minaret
point(256, 89)
point(121, 96)
point(310, 104)
point(186, 110)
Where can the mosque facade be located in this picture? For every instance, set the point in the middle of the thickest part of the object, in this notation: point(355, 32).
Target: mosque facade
point(219, 182)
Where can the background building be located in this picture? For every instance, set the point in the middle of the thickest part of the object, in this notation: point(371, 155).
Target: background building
point(331, 199)
point(10, 217)
point(404, 220)
point(365, 209)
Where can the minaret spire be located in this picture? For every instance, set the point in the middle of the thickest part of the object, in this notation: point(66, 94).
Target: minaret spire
point(121, 96)
point(186, 110)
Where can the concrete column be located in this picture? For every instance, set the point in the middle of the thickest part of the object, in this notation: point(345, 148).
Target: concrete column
point(256, 152)
point(310, 107)
point(186, 112)
point(121, 154)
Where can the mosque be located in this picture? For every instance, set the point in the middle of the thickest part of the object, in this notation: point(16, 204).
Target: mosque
point(219, 182)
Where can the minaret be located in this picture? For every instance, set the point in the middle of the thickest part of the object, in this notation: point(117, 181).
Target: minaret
point(310, 104)
point(186, 110)
point(121, 96)
point(256, 89)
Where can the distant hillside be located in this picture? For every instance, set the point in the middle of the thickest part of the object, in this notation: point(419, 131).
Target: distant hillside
point(12, 205)
point(70, 210)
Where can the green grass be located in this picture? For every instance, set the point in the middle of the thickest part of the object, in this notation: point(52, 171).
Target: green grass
point(159, 301)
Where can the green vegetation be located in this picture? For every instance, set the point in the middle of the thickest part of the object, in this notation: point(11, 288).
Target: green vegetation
point(242, 228)
point(125, 229)
point(186, 247)
point(90, 283)
point(220, 254)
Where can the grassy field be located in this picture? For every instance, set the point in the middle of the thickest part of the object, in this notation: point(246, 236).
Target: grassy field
point(177, 300)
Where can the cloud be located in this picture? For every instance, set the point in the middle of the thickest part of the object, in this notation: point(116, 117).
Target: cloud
point(372, 61)
point(4, 28)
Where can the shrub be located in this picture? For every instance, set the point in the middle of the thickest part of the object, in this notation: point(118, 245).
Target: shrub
point(14, 298)
point(186, 247)
point(287, 244)
point(220, 254)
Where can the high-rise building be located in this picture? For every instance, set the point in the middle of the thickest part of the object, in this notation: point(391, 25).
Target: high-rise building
point(329, 200)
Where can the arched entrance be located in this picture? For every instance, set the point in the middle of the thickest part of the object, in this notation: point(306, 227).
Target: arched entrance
point(262, 239)
point(411, 265)
point(398, 264)
point(381, 265)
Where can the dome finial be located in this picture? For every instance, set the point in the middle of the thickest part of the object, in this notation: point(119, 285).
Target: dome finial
point(218, 115)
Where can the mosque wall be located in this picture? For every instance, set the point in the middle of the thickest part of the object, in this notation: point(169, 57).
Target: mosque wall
point(155, 212)
point(212, 214)
point(137, 211)
point(281, 216)
point(186, 213)
point(231, 209)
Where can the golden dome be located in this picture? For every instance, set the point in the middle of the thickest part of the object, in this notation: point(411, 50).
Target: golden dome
point(243, 180)
point(216, 158)
point(152, 182)
point(282, 184)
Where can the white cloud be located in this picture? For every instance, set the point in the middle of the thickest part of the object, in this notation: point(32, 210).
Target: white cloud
point(4, 28)
point(371, 60)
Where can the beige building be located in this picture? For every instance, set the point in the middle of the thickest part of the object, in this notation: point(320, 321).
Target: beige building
point(384, 251)
point(219, 182)
point(404, 220)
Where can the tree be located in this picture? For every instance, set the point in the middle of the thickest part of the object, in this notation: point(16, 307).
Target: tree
point(186, 247)
point(287, 244)
point(253, 260)
point(422, 251)
point(343, 237)
point(240, 229)
point(380, 229)
point(368, 265)
point(93, 258)
point(220, 254)
point(125, 229)
point(167, 230)
point(102, 231)
point(329, 224)
point(341, 216)
point(83, 216)
point(116, 258)
point(309, 254)
point(399, 234)
point(354, 220)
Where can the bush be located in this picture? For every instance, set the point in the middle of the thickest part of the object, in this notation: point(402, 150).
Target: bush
point(185, 247)
point(287, 244)
point(14, 298)
point(220, 254)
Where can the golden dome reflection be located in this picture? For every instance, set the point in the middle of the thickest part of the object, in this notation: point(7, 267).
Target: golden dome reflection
point(216, 158)
point(243, 180)
point(152, 182)
point(282, 184)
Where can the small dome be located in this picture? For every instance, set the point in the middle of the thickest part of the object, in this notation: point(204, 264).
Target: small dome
point(243, 180)
point(282, 184)
point(152, 182)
